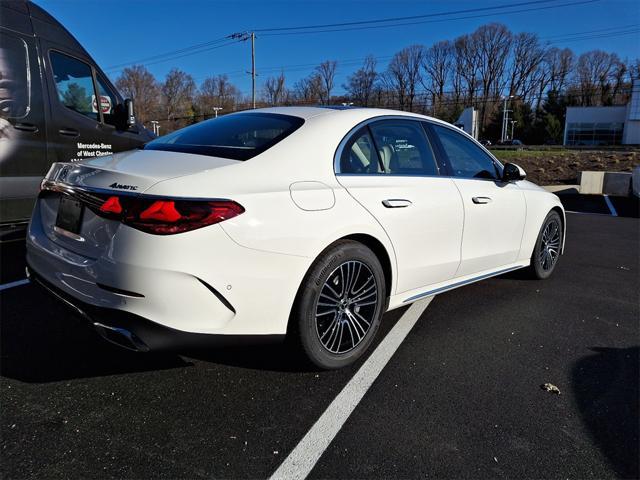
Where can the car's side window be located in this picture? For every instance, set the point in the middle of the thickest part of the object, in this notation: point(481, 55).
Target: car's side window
point(466, 159)
point(359, 154)
point(74, 83)
point(403, 148)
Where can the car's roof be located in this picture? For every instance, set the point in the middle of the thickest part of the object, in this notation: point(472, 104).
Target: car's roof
point(358, 113)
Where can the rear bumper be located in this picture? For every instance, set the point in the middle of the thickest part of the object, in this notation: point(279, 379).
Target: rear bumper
point(198, 282)
point(136, 333)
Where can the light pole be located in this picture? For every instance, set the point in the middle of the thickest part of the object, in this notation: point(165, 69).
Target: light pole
point(504, 118)
point(215, 109)
point(513, 122)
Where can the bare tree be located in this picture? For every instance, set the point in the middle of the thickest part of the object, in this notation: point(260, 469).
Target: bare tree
point(491, 45)
point(139, 84)
point(178, 92)
point(561, 63)
point(437, 64)
point(217, 91)
point(327, 72)
point(275, 90)
point(404, 74)
point(308, 90)
point(360, 85)
point(593, 73)
point(466, 68)
point(528, 54)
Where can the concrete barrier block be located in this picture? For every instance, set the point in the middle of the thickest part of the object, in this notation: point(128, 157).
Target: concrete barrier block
point(591, 182)
point(636, 181)
point(617, 183)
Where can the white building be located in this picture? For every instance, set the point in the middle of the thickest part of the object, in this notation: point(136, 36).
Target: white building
point(468, 121)
point(605, 125)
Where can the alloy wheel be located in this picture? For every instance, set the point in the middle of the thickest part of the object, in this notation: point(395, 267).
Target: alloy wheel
point(550, 245)
point(346, 307)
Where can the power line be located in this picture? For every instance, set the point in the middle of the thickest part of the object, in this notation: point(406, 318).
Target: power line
point(214, 44)
point(173, 52)
point(392, 25)
point(396, 19)
point(160, 60)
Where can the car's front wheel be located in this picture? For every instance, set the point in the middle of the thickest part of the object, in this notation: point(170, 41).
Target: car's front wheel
point(340, 305)
point(548, 246)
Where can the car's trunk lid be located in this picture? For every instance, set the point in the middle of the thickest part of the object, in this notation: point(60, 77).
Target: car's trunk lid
point(128, 173)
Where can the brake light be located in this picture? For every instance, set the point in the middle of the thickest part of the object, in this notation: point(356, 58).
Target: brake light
point(112, 205)
point(167, 216)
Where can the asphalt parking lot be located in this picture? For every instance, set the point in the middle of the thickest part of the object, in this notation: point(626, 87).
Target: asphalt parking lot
point(460, 398)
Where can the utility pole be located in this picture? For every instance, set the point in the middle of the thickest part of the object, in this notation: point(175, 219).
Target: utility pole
point(244, 36)
point(505, 114)
point(215, 109)
point(253, 69)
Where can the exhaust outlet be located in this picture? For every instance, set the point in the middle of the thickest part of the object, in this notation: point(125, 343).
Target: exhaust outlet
point(121, 337)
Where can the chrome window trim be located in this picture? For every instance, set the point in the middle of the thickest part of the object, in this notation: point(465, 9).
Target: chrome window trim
point(364, 123)
point(350, 133)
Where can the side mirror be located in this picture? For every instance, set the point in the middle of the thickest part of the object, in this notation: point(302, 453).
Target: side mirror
point(512, 173)
point(131, 116)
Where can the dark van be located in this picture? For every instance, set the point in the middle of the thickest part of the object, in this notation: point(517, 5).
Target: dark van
point(56, 105)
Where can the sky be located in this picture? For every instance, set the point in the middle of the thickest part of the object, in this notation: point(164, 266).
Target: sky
point(116, 32)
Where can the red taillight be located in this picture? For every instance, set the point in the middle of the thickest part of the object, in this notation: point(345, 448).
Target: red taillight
point(112, 205)
point(161, 210)
point(168, 216)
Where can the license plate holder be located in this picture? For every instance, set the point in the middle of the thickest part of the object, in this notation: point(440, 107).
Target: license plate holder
point(69, 216)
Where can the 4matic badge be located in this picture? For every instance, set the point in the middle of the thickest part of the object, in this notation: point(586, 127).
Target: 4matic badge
point(123, 187)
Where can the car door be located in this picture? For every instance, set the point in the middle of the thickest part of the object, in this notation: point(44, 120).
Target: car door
point(494, 211)
point(23, 155)
point(79, 128)
point(389, 167)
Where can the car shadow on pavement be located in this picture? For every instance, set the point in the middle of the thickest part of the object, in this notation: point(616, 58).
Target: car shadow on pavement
point(606, 389)
point(42, 342)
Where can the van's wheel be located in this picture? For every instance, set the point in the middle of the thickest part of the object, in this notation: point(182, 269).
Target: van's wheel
point(547, 249)
point(339, 305)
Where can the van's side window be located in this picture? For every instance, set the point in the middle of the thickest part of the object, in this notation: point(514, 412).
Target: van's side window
point(14, 77)
point(107, 102)
point(74, 83)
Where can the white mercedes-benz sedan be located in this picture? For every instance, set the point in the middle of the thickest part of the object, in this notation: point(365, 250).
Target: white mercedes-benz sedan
point(305, 222)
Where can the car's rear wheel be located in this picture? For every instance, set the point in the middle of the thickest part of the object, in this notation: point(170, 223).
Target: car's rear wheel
point(339, 306)
point(547, 249)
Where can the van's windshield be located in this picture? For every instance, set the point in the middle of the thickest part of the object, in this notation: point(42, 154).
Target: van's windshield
point(239, 136)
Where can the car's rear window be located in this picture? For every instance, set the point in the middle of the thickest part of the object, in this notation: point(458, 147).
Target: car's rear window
point(239, 136)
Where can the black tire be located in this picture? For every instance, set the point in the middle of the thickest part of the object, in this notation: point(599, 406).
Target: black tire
point(546, 251)
point(328, 325)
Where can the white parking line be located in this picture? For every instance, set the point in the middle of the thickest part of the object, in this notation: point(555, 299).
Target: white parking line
point(612, 209)
point(303, 458)
point(17, 283)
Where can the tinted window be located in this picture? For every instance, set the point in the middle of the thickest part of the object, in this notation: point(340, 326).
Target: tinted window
point(467, 159)
point(108, 101)
point(359, 154)
point(14, 77)
point(403, 148)
point(239, 136)
point(74, 83)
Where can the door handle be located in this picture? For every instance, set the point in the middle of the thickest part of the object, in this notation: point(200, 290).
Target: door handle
point(69, 132)
point(396, 203)
point(25, 127)
point(481, 200)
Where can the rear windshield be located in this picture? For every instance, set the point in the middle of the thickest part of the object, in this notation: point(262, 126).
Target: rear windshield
point(240, 136)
